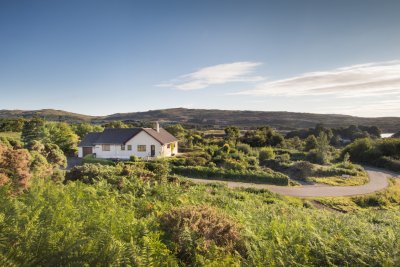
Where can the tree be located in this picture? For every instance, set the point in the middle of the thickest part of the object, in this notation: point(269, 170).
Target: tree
point(346, 159)
point(32, 131)
point(311, 143)
point(82, 129)
point(232, 134)
point(115, 124)
point(361, 150)
point(263, 136)
point(323, 148)
point(11, 125)
point(14, 168)
point(176, 130)
point(55, 156)
point(61, 134)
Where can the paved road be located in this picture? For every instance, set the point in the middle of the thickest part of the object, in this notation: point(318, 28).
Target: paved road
point(377, 181)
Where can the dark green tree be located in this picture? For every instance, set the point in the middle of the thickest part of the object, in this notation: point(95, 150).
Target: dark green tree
point(32, 130)
point(232, 134)
point(311, 143)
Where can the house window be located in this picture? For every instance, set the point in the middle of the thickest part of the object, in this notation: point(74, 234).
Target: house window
point(122, 147)
point(106, 147)
point(169, 146)
point(141, 148)
point(129, 147)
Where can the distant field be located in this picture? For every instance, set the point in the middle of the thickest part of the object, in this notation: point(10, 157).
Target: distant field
point(13, 135)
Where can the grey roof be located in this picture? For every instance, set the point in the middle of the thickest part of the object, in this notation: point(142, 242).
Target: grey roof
point(117, 135)
point(89, 139)
point(164, 137)
point(121, 136)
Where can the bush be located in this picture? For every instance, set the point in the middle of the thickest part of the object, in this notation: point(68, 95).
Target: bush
point(91, 159)
point(283, 157)
point(160, 168)
point(194, 229)
point(268, 176)
point(266, 154)
point(253, 161)
point(134, 158)
point(302, 170)
point(245, 148)
point(89, 173)
point(388, 163)
point(234, 164)
point(314, 157)
point(196, 161)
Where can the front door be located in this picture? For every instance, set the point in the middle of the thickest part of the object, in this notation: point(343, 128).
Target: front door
point(153, 150)
point(87, 151)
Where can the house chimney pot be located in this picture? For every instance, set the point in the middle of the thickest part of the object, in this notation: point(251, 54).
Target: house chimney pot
point(157, 127)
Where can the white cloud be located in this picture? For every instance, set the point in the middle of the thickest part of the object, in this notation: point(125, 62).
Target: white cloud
point(213, 75)
point(371, 79)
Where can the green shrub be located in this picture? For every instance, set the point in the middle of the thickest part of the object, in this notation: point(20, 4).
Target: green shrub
point(245, 148)
point(283, 157)
point(234, 164)
point(302, 170)
point(160, 168)
point(91, 159)
point(134, 158)
point(267, 176)
point(265, 154)
point(195, 161)
point(388, 163)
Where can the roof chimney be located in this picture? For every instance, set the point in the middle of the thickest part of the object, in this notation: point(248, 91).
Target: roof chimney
point(157, 127)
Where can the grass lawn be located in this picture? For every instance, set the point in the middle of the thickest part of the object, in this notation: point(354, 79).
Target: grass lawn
point(12, 135)
point(339, 180)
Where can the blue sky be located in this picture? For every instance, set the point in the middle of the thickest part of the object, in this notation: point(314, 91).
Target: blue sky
point(102, 57)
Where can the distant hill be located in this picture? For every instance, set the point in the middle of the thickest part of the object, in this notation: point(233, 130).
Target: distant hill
point(280, 120)
point(48, 114)
point(219, 118)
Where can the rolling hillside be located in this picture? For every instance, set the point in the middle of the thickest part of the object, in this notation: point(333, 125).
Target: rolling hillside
point(213, 117)
point(48, 114)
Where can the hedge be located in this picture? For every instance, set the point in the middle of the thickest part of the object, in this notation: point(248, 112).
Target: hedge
point(388, 163)
point(91, 159)
point(268, 177)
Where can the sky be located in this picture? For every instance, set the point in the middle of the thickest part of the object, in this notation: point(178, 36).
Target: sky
point(103, 57)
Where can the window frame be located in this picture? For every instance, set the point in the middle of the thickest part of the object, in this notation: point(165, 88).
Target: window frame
point(106, 147)
point(141, 148)
point(123, 147)
point(129, 147)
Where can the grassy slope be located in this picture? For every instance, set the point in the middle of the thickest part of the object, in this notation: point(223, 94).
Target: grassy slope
point(388, 199)
point(93, 224)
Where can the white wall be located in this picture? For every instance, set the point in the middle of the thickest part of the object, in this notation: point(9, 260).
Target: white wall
point(167, 152)
point(141, 138)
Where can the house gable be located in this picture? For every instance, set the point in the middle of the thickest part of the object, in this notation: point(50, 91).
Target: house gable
point(140, 134)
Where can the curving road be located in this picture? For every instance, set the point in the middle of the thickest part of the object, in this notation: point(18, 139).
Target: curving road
point(378, 180)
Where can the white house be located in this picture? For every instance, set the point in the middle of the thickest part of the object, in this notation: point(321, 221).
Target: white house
point(116, 143)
